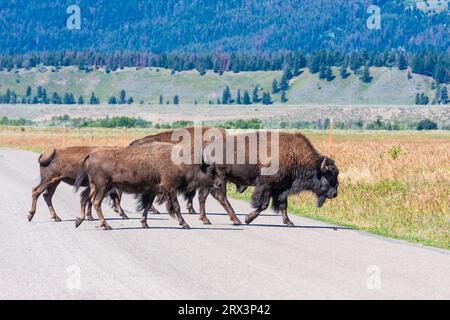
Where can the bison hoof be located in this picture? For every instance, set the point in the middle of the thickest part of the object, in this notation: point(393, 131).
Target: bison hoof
point(289, 224)
point(90, 218)
point(78, 221)
point(106, 227)
point(192, 211)
point(155, 212)
point(57, 219)
point(237, 222)
point(145, 226)
point(30, 216)
point(124, 217)
point(185, 226)
point(206, 221)
point(248, 219)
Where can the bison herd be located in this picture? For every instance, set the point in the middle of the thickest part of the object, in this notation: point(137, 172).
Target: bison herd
point(146, 169)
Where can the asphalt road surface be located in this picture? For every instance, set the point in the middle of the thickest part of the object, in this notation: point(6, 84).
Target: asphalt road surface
point(265, 260)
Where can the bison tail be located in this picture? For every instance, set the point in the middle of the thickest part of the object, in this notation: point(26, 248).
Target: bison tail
point(45, 161)
point(85, 195)
point(163, 197)
point(82, 174)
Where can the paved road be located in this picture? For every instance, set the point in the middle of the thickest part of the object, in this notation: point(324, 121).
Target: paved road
point(43, 259)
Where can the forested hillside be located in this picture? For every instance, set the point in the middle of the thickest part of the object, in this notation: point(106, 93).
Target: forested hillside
point(222, 25)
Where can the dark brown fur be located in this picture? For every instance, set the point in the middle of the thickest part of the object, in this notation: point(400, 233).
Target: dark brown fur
point(219, 195)
point(301, 168)
point(145, 170)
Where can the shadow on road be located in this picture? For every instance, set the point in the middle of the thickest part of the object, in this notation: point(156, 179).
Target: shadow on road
point(299, 227)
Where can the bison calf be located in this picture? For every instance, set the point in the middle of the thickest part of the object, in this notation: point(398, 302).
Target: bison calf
point(146, 171)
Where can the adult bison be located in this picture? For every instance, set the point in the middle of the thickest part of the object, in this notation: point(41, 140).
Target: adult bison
point(197, 135)
point(63, 165)
point(300, 167)
point(146, 170)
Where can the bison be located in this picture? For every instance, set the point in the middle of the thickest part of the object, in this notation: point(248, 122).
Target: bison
point(219, 195)
point(146, 170)
point(63, 165)
point(300, 168)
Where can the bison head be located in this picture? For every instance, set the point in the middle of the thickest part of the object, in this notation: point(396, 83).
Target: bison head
point(327, 173)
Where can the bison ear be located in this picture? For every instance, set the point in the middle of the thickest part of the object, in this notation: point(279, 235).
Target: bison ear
point(323, 166)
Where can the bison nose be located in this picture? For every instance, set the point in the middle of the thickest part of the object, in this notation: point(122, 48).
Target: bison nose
point(334, 194)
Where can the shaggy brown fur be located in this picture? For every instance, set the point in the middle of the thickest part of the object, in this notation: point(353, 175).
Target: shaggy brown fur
point(145, 170)
point(62, 165)
point(220, 196)
point(301, 168)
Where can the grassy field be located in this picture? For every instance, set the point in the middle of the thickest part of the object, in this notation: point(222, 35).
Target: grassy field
point(389, 86)
point(395, 184)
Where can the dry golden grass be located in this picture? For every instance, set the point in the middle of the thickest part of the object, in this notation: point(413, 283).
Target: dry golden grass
point(395, 184)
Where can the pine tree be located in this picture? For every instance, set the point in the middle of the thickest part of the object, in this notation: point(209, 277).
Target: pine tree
point(329, 74)
point(94, 99)
point(56, 99)
point(417, 98)
point(130, 100)
point(246, 99)
point(323, 71)
point(226, 96)
point(402, 62)
point(45, 98)
point(444, 95)
point(343, 72)
point(314, 65)
point(366, 77)
point(176, 99)
point(112, 100)
point(266, 99)
point(122, 98)
point(29, 92)
point(81, 100)
point(161, 99)
point(255, 95)
point(275, 87)
point(283, 97)
point(238, 97)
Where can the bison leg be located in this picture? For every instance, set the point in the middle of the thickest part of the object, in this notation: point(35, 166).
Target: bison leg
point(82, 216)
point(177, 210)
point(89, 216)
point(190, 202)
point(97, 203)
point(283, 208)
point(116, 197)
point(48, 195)
point(36, 193)
point(149, 204)
point(261, 200)
point(202, 195)
point(223, 200)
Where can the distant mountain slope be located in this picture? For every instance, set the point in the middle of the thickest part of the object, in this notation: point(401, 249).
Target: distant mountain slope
point(388, 86)
point(218, 25)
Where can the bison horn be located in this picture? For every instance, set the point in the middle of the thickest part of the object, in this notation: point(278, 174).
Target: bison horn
point(324, 167)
